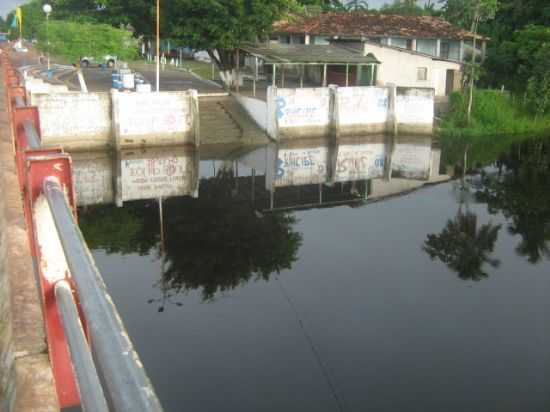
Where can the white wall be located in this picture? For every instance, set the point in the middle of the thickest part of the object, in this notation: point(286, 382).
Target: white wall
point(348, 111)
point(164, 118)
point(157, 172)
point(361, 109)
point(400, 67)
point(93, 175)
point(75, 120)
point(303, 111)
point(256, 108)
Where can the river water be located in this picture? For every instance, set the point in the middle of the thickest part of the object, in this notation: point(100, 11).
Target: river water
point(319, 277)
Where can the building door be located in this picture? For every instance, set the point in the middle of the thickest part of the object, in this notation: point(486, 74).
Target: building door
point(449, 82)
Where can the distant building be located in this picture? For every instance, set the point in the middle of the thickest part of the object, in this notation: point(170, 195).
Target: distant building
point(413, 50)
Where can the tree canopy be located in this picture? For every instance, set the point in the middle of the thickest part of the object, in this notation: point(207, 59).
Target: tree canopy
point(4, 27)
point(74, 40)
point(406, 8)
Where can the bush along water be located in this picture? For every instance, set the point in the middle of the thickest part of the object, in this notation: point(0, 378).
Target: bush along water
point(498, 120)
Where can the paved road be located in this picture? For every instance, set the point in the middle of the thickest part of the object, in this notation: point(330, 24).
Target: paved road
point(97, 79)
point(170, 79)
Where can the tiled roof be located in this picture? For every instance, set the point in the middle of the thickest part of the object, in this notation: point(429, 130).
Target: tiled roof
point(359, 24)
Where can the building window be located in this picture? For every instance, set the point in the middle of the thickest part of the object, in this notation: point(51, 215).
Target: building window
point(421, 73)
point(444, 50)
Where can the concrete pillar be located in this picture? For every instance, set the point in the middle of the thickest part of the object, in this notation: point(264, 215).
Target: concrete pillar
point(272, 126)
point(347, 75)
point(334, 122)
point(392, 115)
point(194, 97)
point(274, 76)
point(413, 46)
point(389, 41)
point(438, 47)
point(324, 75)
point(461, 51)
point(307, 39)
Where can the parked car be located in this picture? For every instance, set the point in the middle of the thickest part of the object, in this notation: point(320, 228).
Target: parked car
point(185, 52)
point(202, 56)
point(108, 60)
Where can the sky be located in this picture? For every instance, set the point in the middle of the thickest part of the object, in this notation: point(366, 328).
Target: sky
point(8, 5)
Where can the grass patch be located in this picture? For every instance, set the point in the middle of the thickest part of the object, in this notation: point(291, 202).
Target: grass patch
point(493, 113)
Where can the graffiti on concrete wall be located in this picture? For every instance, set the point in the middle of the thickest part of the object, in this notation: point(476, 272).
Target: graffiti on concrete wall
point(153, 113)
point(360, 161)
point(157, 175)
point(302, 107)
point(93, 175)
point(301, 166)
point(362, 105)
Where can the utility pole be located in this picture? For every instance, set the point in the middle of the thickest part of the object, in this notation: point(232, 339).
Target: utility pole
point(158, 46)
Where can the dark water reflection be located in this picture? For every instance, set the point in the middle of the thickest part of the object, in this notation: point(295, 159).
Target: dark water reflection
point(303, 292)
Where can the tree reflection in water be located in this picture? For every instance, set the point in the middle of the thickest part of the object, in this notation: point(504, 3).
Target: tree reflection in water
point(463, 247)
point(213, 244)
point(522, 195)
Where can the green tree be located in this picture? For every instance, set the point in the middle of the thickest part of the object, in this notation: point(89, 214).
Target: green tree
point(139, 15)
point(221, 26)
point(470, 13)
point(4, 26)
point(404, 7)
point(464, 247)
point(357, 5)
point(33, 18)
point(76, 39)
point(322, 5)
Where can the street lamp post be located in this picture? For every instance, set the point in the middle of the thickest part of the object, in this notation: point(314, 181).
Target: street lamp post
point(47, 9)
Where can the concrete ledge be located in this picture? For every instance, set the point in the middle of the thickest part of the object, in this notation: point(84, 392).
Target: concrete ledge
point(26, 375)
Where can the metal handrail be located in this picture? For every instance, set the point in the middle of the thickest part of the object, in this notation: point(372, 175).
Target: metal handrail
point(92, 398)
point(33, 140)
point(19, 102)
point(126, 384)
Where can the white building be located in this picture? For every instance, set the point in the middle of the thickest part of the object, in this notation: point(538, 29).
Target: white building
point(415, 51)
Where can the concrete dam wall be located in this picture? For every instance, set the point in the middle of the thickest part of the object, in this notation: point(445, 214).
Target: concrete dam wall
point(343, 111)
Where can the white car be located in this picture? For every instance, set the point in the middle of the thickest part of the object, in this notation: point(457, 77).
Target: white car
point(202, 56)
point(107, 60)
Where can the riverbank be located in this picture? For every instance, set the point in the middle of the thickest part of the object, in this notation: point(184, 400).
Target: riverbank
point(493, 113)
point(498, 121)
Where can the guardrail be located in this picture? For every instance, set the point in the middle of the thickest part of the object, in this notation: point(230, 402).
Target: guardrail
point(93, 359)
